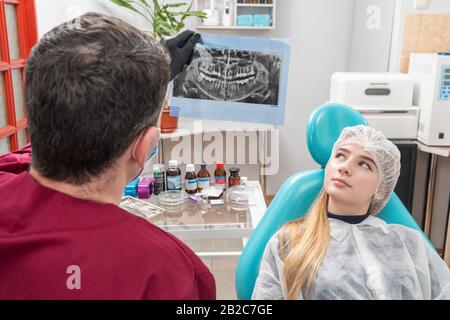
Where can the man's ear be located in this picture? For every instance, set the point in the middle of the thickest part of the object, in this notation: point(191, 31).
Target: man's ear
point(144, 145)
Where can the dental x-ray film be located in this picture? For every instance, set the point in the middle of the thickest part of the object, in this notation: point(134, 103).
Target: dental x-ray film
point(234, 78)
point(231, 75)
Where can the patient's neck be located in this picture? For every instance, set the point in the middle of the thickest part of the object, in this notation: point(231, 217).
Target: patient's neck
point(348, 209)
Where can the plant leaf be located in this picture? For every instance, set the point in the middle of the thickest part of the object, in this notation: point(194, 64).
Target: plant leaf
point(124, 3)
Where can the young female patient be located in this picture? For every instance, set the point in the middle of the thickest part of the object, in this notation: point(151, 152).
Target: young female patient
point(340, 250)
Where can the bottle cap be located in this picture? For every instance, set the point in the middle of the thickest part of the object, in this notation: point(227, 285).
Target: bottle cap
point(219, 165)
point(244, 181)
point(156, 169)
point(190, 168)
point(173, 163)
point(203, 166)
point(234, 170)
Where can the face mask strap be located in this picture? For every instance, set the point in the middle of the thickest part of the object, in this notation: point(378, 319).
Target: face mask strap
point(153, 154)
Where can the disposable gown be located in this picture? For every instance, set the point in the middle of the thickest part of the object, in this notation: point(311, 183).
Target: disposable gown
point(369, 260)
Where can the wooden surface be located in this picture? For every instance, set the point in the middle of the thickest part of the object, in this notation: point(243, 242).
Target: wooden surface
point(424, 33)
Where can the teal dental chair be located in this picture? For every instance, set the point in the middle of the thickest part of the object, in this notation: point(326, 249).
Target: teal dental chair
point(299, 191)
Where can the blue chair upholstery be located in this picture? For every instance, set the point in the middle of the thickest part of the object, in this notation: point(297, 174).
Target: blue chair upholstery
point(300, 190)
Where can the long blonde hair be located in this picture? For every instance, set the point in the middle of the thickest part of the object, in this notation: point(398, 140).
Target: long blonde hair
point(303, 244)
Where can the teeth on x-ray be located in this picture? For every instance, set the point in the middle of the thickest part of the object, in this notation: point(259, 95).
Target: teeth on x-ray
point(231, 75)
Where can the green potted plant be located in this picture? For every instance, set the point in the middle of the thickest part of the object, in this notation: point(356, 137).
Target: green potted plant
point(166, 20)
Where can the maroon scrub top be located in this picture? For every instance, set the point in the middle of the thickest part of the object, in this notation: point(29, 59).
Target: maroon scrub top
point(54, 246)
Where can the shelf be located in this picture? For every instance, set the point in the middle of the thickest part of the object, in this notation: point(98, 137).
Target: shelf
point(201, 27)
point(255, 5)
point(238, 9)
point(440, 151)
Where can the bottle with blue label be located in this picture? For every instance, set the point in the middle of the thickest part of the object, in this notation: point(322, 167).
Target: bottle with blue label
point(203, 177)
point(190, 181)
point(173, 175)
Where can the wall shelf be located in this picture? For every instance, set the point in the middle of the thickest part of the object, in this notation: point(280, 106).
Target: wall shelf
point(255, 5)
point(237, 9)
point(201, 27)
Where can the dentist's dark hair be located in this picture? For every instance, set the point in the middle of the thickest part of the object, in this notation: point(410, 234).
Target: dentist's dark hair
point(93, 84)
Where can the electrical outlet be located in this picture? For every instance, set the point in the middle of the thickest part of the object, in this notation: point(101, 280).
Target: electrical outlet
point(420, 4)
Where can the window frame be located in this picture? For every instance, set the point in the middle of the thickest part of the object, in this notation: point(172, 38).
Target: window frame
point(27, 33)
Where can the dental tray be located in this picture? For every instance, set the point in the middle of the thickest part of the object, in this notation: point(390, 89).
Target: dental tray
point(141, 208)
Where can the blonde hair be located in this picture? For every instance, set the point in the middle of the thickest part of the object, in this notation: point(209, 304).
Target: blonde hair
point(303, 244)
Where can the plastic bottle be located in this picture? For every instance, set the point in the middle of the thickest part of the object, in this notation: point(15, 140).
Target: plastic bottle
point(226, 18)
point(158, 184)
point(163, 172)
point(173, 176)
point(234, 179)
point(190, 180)
point(220, 176)
point(204, 178)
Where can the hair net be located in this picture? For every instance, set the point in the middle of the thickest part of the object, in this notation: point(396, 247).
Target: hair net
point(384, 153)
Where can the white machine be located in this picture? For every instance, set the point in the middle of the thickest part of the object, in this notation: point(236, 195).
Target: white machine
point(431, 75)
point(384, 99)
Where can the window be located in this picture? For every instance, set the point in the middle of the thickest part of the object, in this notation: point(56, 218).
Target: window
point(18, 34)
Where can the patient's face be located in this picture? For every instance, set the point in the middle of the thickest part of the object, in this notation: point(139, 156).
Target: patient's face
point(351, 177)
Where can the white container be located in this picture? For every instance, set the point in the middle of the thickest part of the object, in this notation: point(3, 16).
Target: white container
point(372, 89)
point(212, 15)
point(226, 17)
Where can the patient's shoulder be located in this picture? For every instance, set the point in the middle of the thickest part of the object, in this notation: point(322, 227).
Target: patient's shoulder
point(282, 240)
point(405, 232)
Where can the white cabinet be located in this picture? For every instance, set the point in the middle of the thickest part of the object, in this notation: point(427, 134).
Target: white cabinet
point(246, 15)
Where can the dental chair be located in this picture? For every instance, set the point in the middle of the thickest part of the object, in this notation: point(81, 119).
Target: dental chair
point(297, 194)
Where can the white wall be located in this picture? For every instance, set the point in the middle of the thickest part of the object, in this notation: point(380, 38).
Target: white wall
point(372, 33)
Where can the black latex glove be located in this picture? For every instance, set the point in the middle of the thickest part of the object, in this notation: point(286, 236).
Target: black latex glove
point(181, 48)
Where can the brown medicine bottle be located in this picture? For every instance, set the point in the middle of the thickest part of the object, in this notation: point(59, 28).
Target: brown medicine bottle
point(203, 177)
point(220, 176)
point(234, 179)
point(190, 179)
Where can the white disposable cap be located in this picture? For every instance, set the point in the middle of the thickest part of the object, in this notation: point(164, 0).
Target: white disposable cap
point(173, 163)
point(190, 168)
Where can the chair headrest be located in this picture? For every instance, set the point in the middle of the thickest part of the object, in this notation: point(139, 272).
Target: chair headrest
point(324, 127)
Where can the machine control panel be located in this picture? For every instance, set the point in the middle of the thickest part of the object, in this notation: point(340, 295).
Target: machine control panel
point(445, 83)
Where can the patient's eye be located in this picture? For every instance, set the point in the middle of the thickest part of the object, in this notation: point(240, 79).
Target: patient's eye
point(339, 156)
point(365, 165)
